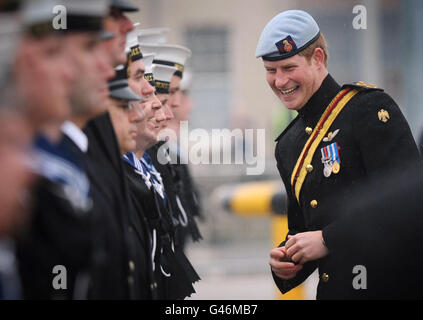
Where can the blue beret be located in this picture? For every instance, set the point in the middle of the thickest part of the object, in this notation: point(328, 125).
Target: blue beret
point(287, 34)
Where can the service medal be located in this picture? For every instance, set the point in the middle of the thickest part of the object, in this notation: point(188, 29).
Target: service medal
point(327, 171)
point(336, 167)
point(330, 159)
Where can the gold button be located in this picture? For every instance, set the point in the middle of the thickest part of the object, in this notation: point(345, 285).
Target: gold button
point(325, 277)
point(309, 168)
point(313, 204)
point(131, 265)
point(130, 280)
point(309, 130)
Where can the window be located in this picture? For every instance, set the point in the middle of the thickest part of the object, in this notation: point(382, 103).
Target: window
point(210, 83)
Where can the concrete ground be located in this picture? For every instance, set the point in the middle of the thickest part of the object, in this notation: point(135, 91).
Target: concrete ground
point(236, 271)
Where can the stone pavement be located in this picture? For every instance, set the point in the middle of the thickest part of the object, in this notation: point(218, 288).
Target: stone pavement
point(235, 271)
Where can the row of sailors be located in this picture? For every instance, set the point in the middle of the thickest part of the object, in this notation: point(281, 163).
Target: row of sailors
point(102, 204)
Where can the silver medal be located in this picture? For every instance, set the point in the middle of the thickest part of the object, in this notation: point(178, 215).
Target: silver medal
point(327, 171)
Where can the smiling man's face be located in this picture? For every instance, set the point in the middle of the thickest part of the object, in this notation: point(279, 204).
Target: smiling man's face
point(294, 80)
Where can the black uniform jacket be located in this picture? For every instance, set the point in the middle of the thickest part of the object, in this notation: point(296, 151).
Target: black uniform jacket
point(58, 234)
point(141, 199)
point(112, 277)
point(382, 232)
point(373, 139)
point(168, 271)
point(189, 195)
point(186, 275)
point(178, 183)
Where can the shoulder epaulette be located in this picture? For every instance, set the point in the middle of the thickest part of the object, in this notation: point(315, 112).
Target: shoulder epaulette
point(361, 85)
point(286, 129)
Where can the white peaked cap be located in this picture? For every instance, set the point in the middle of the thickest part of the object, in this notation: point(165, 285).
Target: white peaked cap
point(153, 35)
point(186, 81)
point(131, 40)
point(168, 53)
point(38, 11)
point(163, 73)
point(148, 62)
point(86, 7)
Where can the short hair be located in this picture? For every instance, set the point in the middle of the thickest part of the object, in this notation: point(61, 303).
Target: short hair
point(319, 43)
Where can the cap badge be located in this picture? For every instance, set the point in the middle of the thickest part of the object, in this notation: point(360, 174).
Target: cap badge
point(383, 115)
point(286, 45)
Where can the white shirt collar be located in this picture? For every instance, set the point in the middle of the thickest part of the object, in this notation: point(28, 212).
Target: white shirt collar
point(76, 135)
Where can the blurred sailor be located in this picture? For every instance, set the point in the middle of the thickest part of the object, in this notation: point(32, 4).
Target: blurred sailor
point(178, 176)
point(189, 193)
point(120, 25)
point(60, 229)
point(112, 272)
point(42, 74)
point(14, 145)
point(171, 274)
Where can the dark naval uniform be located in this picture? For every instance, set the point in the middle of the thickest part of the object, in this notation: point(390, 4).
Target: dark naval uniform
point(145, 278)
point(189, 196)
point(140, 226)
point(190, 199)
point(179, 188)
point(112, 273)
point(330, 147)
point(59, 233)
point(167, 270)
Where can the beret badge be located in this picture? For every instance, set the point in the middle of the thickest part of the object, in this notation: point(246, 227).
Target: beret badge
point(286, 45)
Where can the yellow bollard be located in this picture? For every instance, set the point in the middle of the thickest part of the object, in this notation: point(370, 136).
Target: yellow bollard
point(279, 231)
point(254, 199)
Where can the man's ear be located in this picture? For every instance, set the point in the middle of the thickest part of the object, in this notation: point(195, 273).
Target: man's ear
point(319, 57)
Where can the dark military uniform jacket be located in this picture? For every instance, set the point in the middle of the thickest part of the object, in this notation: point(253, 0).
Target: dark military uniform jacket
point(170, 273)
point(143, 208)
point(189, 195)
point(179, 188)
point(113, 272)
point(59, 231)
point(368, 138)
point(380, 234)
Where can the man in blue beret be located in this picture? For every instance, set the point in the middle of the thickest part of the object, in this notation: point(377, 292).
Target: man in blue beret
point(342, 136)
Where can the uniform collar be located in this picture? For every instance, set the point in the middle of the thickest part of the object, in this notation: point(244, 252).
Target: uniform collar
point(320, 99)
point(76, 135)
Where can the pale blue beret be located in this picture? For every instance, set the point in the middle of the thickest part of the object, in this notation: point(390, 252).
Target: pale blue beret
point(287, 34)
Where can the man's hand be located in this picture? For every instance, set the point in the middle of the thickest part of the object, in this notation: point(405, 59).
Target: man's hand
point(281, 265)
point(306, 246)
